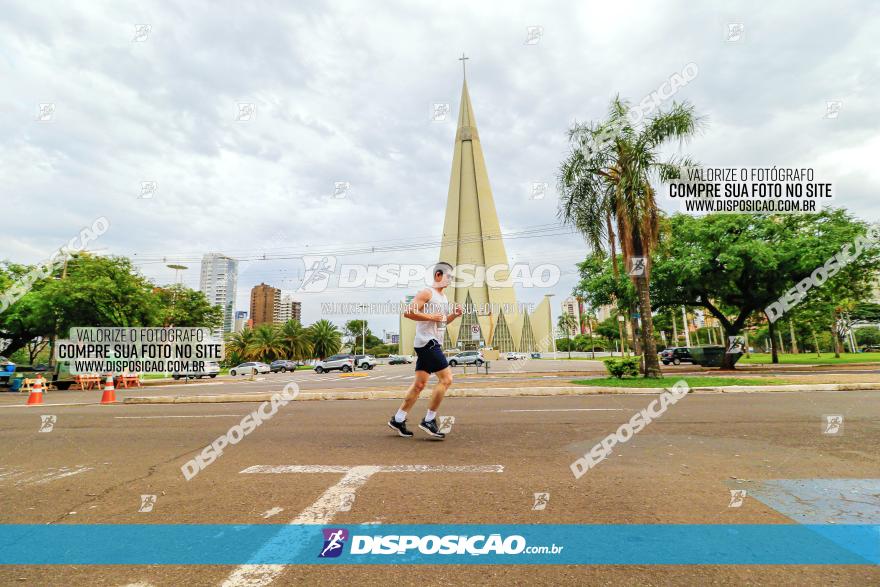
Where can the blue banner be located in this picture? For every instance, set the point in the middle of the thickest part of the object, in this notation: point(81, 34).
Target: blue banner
point(515, 544)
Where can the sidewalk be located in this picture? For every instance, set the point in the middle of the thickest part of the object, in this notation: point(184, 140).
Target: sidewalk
point(493, 392)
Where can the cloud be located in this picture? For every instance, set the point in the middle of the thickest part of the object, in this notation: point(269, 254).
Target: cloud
point(344, 93)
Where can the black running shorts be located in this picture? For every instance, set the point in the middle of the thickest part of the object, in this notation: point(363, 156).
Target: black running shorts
point(431, 358)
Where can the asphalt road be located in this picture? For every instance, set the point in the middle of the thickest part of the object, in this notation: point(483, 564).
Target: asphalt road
point(97, 461)
point(503, 373)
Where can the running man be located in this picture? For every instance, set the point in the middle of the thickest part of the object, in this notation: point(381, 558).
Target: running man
point(430, 310)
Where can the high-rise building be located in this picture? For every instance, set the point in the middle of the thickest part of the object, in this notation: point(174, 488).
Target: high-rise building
point(241, 320)
point(288, 309)
point(218, 280)
point(472, 235)
point(571, 307)
point(265, 300)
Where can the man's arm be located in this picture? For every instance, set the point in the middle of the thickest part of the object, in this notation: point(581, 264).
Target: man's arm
point(456, 312)
point(414, 310)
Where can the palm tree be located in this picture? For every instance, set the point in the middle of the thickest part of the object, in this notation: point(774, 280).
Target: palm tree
point(238, 345)
point(586, 322)
point(295, 339)
point(325, 338)
point(266, 345)
point(566, 322)
point(606, 193)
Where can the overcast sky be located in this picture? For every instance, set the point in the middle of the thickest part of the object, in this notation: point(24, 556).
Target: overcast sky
point(344, 93)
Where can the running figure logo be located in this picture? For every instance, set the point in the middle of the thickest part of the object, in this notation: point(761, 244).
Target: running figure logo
point(541, 501)
point(318, 271)
point(637, 266)
point(833, 424)
point(47, 423)
point(334, 540)
point(737, 497)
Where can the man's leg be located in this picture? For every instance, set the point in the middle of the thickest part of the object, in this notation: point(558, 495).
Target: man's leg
point(412, 394)
point(398, 421)
point(429, 423)
point(444, 380)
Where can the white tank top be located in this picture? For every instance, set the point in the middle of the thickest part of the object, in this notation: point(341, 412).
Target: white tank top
point(428, 330)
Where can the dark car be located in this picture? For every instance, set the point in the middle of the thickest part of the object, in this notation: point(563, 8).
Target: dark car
point(282, 366)
point(676, 355)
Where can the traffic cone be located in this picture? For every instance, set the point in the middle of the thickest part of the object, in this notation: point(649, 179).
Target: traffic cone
point(109, 396)
point(35, 397)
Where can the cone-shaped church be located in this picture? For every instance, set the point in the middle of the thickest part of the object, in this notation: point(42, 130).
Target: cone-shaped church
point(472, 236)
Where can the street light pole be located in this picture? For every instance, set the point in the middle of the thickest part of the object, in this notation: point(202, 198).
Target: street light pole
point(684, 326)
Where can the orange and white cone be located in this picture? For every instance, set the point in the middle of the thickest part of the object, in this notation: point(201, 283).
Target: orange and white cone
point(109, 396)
point(35, 397)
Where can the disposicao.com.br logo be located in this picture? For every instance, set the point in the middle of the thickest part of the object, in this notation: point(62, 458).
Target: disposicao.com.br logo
point(413, 544)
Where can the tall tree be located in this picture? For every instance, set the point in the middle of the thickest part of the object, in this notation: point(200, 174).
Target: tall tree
point(182, 306)
point(295, 339)
point(94, 291)
point(356, 329)
point(566, 322)
point(238, 345)
point(325, 338)
point(735, 265)
point(607, 176)
point(267, 345)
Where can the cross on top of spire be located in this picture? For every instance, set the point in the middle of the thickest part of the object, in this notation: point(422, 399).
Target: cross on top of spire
point(463, 60)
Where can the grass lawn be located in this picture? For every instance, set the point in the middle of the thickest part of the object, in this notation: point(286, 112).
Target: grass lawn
point(669, 381)
point(810, 359)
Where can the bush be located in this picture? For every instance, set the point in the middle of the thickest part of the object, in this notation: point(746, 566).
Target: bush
point(623, 366)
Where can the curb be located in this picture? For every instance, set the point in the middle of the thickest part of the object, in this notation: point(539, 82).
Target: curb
point(493, 392)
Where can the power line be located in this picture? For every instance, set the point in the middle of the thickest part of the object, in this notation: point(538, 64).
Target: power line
point(539, 231)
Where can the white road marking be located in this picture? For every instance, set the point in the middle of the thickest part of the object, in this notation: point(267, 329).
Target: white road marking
point(163, 417)
point(53, 405)
point(185, 384)
point(571, 410)
point(23, 477)
point(325, 508)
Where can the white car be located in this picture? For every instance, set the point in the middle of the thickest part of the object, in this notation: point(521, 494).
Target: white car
point(365, 362)
point(516, 356)
point(344, 363)
point(250, 368)
point(212, 368)
point(467, 358)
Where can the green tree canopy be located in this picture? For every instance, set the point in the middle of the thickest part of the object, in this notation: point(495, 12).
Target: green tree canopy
point(734, 265)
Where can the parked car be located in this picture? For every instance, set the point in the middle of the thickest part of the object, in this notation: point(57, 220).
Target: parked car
point(871, 349)
point(364, 362)
point(536, 355)
point(212, 369)
point(344, 363)
point(467, 358)
point(515, 356)
point(676, 355)
point(282, 366)
point(250, 368)
point(399, 359)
